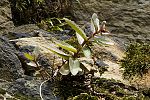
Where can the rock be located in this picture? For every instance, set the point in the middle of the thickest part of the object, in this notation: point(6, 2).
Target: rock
point(100, 63)
point(28, 30)
point(29, 87)
point(46, 56)
point(10, 65)
point(31, 43)
point(6, 23)
point(62, 35)
point(125, 17)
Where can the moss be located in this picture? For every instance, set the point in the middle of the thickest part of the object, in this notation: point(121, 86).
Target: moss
point(129, 98)
point(146, 92)
point(120, 92)
point(115, 90)
point(70, 86)
point(85, 96)
point(2, 91)
point(137, 60)
point(111, 97)
point(24, 97)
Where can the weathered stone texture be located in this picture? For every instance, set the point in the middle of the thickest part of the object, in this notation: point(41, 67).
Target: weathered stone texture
point(10, 65)
point(122, 16)
point(5, 17)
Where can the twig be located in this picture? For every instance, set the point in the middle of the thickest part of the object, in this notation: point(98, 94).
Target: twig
point(41, 88)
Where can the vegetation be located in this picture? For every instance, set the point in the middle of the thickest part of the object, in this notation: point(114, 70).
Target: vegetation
point(79, 60)
point(111, 90)
point(73, 57)
point(79, 63)
point(78, 69)
point(137, 60)
point(33, 11)
point(84, 96)
point(52, 24)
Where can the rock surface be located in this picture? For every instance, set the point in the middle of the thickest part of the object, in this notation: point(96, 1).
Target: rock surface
point(10, 65)
point(6, 23)
point(27, 30)
point(128, 18)
point(29, 87)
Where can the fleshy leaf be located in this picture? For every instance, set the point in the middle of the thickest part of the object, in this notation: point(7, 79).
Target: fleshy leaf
point(65, 46)
point(87, 52)
point(29, 56)
point(57, 51)
point(32, 64)
point(95, 23)
point(92, 27)
point(56, 28)
point(103, 40)
point(36, 52)
point(64, 70)
point(76, 28)
point(105, 33)
point(80, 39)
point(74, 66)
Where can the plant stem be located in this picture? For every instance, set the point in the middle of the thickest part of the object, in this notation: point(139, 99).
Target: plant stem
point(82, 45)
point(45, 72)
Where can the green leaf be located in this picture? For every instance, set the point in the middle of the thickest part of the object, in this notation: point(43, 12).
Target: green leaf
point(31, 63)
point(80, 39)
point(56, 28)
point(74, 66)
point(64, 70)
point(50, 22)
point(36, 52)
point(66, 46)
point(29, 56)
point(57, 51)
point(103, 40)
point(92, 27)
point(87, 52)
point(76, 28)
point(95, 23)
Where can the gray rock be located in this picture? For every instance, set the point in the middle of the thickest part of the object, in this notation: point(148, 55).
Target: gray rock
point(10, 65)
point(30, 87)
point(100, 63)
point(123, 16)
point(22, 31)
point(6, 23)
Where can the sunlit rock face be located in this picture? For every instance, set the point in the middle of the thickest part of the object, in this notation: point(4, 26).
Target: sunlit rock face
point(5, 17)
point(127, 17)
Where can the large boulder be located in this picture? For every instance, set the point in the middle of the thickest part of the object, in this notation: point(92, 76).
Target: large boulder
point(10, 65)
point(29, 89)
point(6, 23)
point(126, 17)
